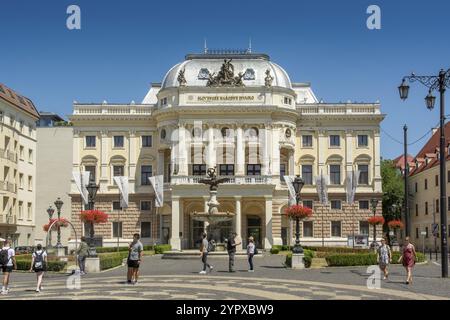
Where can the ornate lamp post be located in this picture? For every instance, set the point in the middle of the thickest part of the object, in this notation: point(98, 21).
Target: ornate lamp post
point(50, 212)
point(92, 188)
point(374, 203)
point(433, 83)
point(58, 205)
point(298, 184)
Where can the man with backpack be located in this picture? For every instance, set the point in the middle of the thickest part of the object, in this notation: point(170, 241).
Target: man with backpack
point(8, 263)
point(204, 253)
point(39, 265)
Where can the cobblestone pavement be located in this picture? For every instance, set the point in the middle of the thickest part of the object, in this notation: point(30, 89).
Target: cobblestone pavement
point(179, 279)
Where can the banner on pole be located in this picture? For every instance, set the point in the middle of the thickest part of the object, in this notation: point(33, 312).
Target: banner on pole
point(158, 185)
point(351, 182)
point(81, 179)
point(322, 188)
point(290, 184)
point(122, 183)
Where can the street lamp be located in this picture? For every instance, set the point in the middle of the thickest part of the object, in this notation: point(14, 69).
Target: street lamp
point(374, 203)
point(92, 189)
point(58, 205)
point(298, 184)
point(50, 212)
point(436, 83)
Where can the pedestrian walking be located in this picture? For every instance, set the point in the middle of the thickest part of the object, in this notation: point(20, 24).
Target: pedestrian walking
point(134, 259)
point(408, 259)
point(251, 253)
point(204, 254)
point(39, 265)
point(231, 248)
point(82, 254)
point(384, 257)
point(8, 263)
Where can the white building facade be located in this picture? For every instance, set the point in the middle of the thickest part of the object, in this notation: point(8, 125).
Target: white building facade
point(240, 113)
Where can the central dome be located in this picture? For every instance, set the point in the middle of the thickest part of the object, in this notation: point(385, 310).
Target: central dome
point(198, 68)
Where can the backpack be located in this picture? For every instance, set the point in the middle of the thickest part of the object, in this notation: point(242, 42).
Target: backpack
point(39, 260)
point(4, 257)
point(211, 246)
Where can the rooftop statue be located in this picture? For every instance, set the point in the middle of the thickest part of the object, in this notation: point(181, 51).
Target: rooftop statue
point(269, 79)
point(225, 77)
point(181, 78)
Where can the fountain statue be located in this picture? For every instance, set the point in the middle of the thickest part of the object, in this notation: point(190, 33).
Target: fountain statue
point(213, 217)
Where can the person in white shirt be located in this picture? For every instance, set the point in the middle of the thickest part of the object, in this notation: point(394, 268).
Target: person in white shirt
point(8, 263)
point(39, 265)
point(250, 253)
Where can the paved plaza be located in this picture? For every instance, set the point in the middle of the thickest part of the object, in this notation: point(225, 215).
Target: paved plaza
point(179, 279)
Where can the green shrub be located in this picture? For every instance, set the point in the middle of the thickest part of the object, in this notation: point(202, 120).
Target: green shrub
point(274, 250)
point(309, 255)
point(161, 248)
point(338, 249)
point(110, 249)
point(286, 248)
point(56, 266)
point(362, 259)
point(111, 260)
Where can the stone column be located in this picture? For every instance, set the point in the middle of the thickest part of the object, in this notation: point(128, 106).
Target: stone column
point(175, 240)
point(291, 163)
point(238, 220)
point(377, 162)
point(182, 151)
point(275, 151)
point(264, 150)
point(349, 150)
point(240, 152)
point(160, 163)
point(132, 149)
point(268, 240)
point(322, 146)
point(104, 161)
point(211, 160)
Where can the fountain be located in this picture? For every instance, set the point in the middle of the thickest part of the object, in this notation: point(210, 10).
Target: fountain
point(213, 217)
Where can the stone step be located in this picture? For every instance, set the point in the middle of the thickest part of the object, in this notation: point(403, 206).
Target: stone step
point(317, 263)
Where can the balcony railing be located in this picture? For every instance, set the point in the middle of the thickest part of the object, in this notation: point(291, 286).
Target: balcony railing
point(115, 109)
point(8, 186)
point(8, 155)
point(251, 180)
point(340, 108)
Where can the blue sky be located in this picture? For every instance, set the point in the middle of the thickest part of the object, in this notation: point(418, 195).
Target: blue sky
point(125, 45)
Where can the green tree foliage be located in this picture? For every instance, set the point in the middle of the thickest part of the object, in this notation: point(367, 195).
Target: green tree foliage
point(393, 190)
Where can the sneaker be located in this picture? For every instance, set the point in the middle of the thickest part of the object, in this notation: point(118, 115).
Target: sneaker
point(82, 273)
point(129, 282)
point(37, 290)
point(4, 292)
point(251, 270)
point(202, 272)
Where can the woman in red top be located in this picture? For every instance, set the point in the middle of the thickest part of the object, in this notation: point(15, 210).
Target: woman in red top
point(408, 258)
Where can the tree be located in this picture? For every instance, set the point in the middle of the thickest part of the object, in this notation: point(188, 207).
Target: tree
point(393, 190)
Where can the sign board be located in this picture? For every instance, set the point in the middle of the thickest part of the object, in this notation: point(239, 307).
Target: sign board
point(361, 241)
point(423, 233)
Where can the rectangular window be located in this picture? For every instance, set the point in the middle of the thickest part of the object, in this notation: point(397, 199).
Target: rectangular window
point(308, 203)
point(426, 231)
point(226, 170)
point(118, 171)
point(199, 169)
point(21, 152)
point(90, 141)
point(117, 229)
point(363, 174)
point(426, 208)
point(307, 229)
point(118, 141)
point(253, 169)
point(30, 155)
point(30, 211)
point(364, 205)
point(417, 210)
point(146, 205)
point(335, 141)
point(416, 186)
point(426, 184)
point(436, 180)
point(335, 174)
point(336, 229)
point(417, 233)
point(116, 205)
point(30, 183)
point(282, 172)
point(448, 204)
point(21, 180)
point(363, 227)
point(336, 204)
point(307, 141)
point(146, 229)
point(437, 205)
point(448, 176)
point(363, 140)
point(91, 170)
point(147, 141)
point(20, 209)
point(146, 173)
point(307, 174)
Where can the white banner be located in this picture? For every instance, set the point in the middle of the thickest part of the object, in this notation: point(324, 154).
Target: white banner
point(82, 180)
point(158, 185)
point(322, 189)
point(122, 183)
point(351, 182)
point(292, 196)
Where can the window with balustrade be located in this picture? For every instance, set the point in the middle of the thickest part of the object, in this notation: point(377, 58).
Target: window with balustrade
point(253, 169)
point(226, 170)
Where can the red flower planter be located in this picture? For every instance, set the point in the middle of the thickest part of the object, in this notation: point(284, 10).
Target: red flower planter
point(375, 221)
point(94, 216)
point(395, 224)
point(62, 223)
point(298, 211)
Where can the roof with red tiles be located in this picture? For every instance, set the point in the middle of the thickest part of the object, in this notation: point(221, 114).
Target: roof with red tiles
point(17, 100)
point(399, 162)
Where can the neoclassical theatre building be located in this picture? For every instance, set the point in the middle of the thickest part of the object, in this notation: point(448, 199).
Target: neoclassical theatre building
point(238, 112)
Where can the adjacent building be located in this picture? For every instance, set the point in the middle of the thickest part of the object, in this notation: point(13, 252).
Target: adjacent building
point(54, 172)
point(241, 113)
point(18, 117)
point(424, 192)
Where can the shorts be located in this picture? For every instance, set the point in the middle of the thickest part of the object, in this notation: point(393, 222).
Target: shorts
point(133, 264)
point(7, 269)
